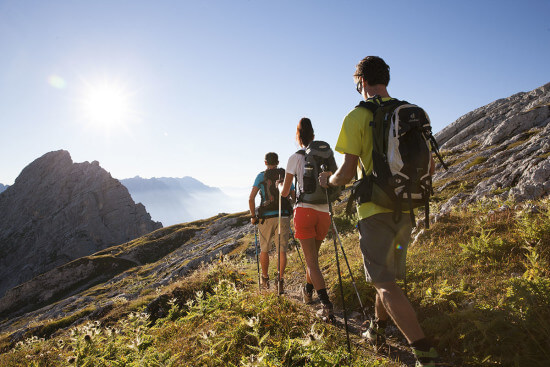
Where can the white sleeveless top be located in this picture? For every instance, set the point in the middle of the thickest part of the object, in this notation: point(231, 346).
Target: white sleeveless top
point(295, 166)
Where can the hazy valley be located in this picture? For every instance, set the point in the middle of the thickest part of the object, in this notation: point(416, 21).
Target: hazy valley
point(177, 200)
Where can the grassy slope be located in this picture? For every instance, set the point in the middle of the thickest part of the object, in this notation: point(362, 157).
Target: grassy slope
point(479, 279)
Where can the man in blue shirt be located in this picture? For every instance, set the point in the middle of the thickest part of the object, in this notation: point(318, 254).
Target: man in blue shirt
point(267, 217)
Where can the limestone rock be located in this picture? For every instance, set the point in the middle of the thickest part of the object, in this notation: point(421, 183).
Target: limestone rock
point(498, 150)
point(58, 211)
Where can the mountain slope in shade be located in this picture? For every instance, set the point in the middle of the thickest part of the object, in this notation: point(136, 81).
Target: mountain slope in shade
point(58, 211)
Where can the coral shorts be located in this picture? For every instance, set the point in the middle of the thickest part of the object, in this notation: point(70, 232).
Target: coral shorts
point(311, 223)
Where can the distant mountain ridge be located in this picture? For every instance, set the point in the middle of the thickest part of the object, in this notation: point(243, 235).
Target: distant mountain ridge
point(3, 187)
point(186, 183)
point(58, 211)
point(177, 200)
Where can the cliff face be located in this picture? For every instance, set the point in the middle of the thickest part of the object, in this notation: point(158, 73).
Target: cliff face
point(499, 150)
point(58, 211)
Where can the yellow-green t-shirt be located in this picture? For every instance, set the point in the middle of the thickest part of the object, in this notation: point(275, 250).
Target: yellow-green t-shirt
point(356, 138)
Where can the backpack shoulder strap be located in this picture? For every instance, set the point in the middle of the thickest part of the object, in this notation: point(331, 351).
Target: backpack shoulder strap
point(262, 182)
point(369, 105)
point(373, 103)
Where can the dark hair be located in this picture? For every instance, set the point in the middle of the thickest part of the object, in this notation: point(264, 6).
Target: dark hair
point(272, 158)
point(304, 132)
point(374, 70)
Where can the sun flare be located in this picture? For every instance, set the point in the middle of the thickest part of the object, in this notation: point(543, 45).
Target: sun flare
point(107, 105)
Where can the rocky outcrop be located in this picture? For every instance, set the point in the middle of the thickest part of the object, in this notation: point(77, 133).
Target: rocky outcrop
point(499, 150)
point(58, 211)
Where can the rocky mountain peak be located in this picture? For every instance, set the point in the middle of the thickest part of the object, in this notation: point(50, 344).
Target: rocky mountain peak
point(58, 211)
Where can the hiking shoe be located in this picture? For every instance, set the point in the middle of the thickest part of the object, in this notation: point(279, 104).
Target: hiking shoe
point(375, 334)
point(426, 358)
point(307, 297)
point(265, 282)
point(280, 286)
point(326, 313)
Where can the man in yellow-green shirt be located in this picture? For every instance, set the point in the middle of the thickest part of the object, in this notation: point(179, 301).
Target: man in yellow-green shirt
point(383, 241)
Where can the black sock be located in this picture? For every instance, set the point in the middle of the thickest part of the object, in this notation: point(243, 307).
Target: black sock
point(422, 344)
point(323, 296)
point(309, 288)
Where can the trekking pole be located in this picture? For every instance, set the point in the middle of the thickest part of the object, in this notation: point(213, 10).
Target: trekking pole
point(349, 268)
point(257, 260)
point(279, 248)
point(323, 167)
point(296, 242)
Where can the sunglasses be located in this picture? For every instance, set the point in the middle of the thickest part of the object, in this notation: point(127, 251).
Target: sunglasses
point(359, 87)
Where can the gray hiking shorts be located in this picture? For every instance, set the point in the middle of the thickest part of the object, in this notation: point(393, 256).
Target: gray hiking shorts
point(384, 246)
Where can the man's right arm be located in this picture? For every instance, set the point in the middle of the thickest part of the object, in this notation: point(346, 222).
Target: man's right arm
point(350, 143)
point(343, 175)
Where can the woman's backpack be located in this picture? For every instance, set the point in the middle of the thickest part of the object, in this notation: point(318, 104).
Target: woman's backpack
point(318, 156)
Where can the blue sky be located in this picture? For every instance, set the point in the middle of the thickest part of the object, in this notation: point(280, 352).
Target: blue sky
point(206, 88)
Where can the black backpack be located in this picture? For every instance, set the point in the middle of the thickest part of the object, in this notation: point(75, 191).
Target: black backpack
point(318, 156)
point(270, 202)
point(402, 149)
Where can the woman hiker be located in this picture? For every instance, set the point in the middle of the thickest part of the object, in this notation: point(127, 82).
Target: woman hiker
point(311, 221)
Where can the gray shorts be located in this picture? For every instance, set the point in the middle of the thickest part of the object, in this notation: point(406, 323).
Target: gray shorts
point(384, 246)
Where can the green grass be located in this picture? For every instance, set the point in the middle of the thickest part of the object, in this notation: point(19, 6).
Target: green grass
point(486, 299)
point(214, 318)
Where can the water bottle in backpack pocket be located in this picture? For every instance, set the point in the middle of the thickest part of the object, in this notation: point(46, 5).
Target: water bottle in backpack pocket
point(309, 179)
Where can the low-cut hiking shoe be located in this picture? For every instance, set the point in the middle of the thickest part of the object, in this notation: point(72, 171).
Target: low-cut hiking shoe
point(281, 286)
point(326, 313)
point(307, 297)
point(375, 334)
point(265, 282)
point(426, 358)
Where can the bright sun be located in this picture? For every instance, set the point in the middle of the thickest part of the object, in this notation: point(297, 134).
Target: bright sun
point(107, 106)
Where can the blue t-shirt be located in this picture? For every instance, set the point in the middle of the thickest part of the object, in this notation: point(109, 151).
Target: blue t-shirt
point(259, 179)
